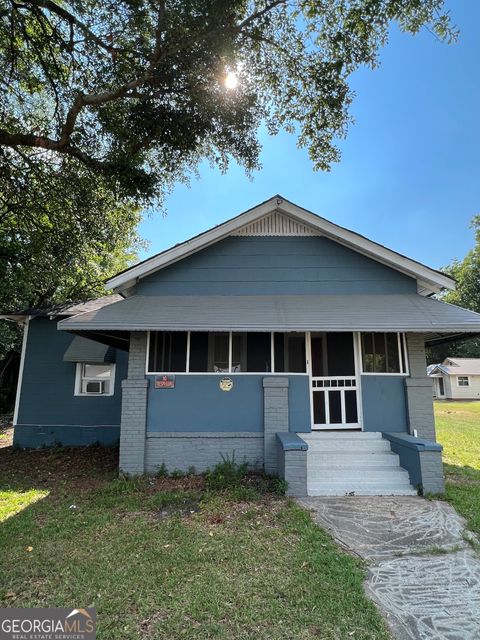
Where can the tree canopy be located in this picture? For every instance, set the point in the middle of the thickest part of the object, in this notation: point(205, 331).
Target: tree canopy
point(134, 91)
point(467, 294)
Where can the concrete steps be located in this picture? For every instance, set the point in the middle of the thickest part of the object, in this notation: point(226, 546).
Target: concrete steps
point(341, 463)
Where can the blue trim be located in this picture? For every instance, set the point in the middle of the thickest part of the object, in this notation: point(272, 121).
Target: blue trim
point(291, 442)
point(35, 436)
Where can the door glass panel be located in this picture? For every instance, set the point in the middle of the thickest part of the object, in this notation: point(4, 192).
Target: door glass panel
point(335, 404)
point(351, 413)
point(319, 407)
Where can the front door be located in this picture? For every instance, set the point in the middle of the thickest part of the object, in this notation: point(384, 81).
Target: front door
point(334, 381)
point(440, 388)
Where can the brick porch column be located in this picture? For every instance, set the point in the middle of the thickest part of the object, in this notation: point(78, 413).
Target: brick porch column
point(275, 418)
point(418, 387)
point(134, 408)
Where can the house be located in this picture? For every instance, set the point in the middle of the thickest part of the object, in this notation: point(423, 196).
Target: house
point(456, 379)
point(278, 337)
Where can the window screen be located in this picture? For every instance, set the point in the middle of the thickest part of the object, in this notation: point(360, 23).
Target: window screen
point(168, 351)
point(290, 355)
point(381, 353)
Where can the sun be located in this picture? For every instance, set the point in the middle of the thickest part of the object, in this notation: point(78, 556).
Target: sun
point(231, 80)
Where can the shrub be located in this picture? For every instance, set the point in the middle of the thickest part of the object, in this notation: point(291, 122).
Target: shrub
point(162, 471)
point(226, 474)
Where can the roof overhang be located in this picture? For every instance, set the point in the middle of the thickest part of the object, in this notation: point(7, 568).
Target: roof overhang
point(394, 312)
point(429, 280)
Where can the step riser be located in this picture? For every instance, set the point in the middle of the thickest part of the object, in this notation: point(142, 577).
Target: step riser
point(358, 472)
point(352, 459)
point(366, 492)
point(339, 435)
point(354, 447)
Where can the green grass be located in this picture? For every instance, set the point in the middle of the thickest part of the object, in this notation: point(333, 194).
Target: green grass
point(458, 430)
point(167, 559)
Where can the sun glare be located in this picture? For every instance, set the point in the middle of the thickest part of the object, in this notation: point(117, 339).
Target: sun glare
point(231, 80)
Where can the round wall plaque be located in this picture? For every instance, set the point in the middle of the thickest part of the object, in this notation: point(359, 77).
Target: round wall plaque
point(226, 384)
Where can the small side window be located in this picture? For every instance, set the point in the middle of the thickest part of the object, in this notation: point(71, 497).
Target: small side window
point(94, 379)
point(463, 381)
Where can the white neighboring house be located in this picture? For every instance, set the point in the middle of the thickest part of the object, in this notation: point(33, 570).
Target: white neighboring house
point(456, 379)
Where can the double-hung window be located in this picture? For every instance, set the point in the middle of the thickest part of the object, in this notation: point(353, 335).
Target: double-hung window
point(463, 381)
point(383, 353)
point(94, 379)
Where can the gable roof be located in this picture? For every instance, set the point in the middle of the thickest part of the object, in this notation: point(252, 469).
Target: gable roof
point(429, 280)
point(460, 366)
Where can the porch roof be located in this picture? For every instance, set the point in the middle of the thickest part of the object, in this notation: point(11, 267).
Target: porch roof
point(394, 312)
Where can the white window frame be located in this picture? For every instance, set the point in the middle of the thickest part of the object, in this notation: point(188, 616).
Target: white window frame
point(79, 377)
point(229, 372)
point(402, 352)
point(463, 378)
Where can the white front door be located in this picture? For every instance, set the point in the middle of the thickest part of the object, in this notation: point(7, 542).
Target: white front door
point(334, 381)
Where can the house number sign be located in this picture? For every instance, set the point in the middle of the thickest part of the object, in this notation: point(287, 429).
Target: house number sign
point(165, 382)
point(226, 384)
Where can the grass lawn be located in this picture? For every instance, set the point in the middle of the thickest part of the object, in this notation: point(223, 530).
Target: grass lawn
point(458, 430)
point(166, 559)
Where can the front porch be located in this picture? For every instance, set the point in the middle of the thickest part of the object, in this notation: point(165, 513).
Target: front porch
point(289, 423)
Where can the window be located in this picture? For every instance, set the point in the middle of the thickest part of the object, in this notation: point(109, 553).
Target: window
point(463, 381)
point(168, 351)
point(94, 379)
point(383, 353)
point(225, 352)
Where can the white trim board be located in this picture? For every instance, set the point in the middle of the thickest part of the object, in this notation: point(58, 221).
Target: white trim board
point(429, 280)
point(20, 371)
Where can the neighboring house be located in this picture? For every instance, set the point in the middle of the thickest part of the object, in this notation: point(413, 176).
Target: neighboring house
point(456, 379)
point(278, 337)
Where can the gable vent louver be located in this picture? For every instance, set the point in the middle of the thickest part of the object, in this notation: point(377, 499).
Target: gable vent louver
point(276, 224)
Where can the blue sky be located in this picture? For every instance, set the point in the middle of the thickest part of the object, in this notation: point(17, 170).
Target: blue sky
point(409, 176)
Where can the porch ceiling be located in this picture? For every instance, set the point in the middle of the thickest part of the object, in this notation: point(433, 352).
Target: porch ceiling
point(406, 312)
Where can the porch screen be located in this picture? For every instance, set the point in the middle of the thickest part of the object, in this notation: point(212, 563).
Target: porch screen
point(168, 351)
point(226, 352)
point(383, 353)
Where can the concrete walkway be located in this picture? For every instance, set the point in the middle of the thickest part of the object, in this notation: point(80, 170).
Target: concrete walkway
point(422, 573)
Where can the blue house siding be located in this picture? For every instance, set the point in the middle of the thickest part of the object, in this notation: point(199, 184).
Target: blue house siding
point(49, 412)
point(276, 266)
point(197, 404)
point(384, 404)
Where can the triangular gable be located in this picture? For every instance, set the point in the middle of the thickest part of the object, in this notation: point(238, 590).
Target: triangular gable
point(278, 216)
point(276, 224)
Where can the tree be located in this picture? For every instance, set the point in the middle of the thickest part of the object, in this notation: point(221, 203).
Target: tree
point(134, 89)
point(467, 294)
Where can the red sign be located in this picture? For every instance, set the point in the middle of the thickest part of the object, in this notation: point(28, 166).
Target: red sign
point(165, 382)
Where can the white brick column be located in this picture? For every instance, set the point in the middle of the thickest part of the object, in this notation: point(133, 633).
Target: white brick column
point(275, 418)
point(134, 408)
point(418, 388)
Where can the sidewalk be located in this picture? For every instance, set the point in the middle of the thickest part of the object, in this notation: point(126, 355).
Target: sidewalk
point(422, 572)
